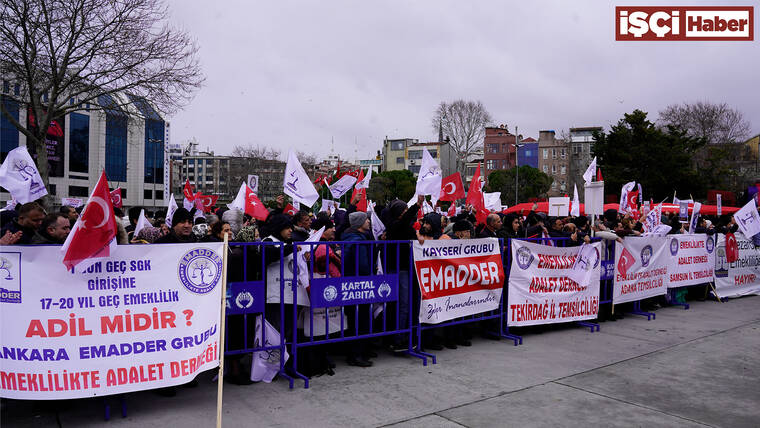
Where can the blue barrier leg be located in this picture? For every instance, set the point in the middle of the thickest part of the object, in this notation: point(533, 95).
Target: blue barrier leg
point(637, 311)
point(106, 409)
point(123, 402)
point(591, 325)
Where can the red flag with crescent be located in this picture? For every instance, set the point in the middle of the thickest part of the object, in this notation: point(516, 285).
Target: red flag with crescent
point(94, 233)
point(290, 210)
point(362, 192)
point(732, 248)
point(475, 197)
point(626, 261)
point(188, 191)
point(633, 200)
point(452, 188)
point(116, 198)
point(205, 202)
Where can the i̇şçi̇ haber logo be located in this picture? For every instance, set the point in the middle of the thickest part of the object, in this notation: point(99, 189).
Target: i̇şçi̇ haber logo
point(200, 270)
point(682, 23)
point(10, 277)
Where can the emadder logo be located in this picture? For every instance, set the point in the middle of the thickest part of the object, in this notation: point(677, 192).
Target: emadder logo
point(674, 23)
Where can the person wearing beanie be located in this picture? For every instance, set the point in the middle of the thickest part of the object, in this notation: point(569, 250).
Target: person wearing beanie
point(181, 230)
point(462, 229)
point(357, 219)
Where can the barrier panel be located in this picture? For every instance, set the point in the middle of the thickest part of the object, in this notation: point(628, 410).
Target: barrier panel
point(246, 298)
point(354, 291)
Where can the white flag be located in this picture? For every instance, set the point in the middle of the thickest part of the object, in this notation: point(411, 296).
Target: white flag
point(590, 171)
point(364, 183)
point(297, 184)
point(430, 176)
point(695, 216)
point(342, 186)
point(266, 364)
point(10, 205)
point(328, 204)
point(19, 175)
point(624, 196)
point(188, 204)
point(575, 210)
point(583, 265)
point(653, 218)
point(748, 220)
point(492, 201)
point(303, 265)
point(239, 202)
point(142, 222)
point(170, 209)
point(377, 226)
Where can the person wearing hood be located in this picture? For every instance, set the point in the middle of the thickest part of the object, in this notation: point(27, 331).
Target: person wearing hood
point(357, 261)
point(431, 227)
point(181, 230)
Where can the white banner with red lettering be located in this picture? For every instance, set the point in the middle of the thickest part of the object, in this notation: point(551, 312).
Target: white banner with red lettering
point(691, 259)
point(741, 277)
point(146, 318)
point(458, 277)
point(541, 290)
point(641, 268)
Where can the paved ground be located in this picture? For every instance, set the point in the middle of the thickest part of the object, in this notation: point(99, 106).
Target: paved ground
point(699, 367)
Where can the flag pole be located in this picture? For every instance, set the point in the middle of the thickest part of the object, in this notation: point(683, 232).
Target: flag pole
point(220, 376)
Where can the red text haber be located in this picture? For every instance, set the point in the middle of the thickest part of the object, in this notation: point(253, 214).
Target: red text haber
point(108, 324)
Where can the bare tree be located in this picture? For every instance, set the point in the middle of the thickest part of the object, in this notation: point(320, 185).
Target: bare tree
point(259, 160)
point(716, 123)
point(67, 54)
point(463, 122)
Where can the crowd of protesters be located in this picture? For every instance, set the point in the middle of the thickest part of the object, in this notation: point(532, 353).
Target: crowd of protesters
point(347, 247)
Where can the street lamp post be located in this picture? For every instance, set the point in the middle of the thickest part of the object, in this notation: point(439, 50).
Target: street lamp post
point(517, 170)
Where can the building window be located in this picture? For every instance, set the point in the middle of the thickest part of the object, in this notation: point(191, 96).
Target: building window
point(563, 153)
point(147, 194)
point(554, 153)
point(79, 191)
point(397, 145)
point(154, 151)
point(79, 142)
point(554, 184)
point(400, 160)
point(554, 169)
point(209, 161)
point(8, 132)
point(577, 149)
point(415, 154)
point(52, 189)
point(546, 168)
point(159, 194)
point(210, 178)
point(471, 171)
point(563, 170)
point(493, 148)
point(434, 153)
point(116, 147)
point(191, 161)
point(415, 169)
point(546, 153)
point(491, 164)
point(562, 185)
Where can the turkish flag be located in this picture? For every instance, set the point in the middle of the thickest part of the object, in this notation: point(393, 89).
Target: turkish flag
point(599, 175)
point(253, 206)
point(290, 210)
point(452, 210)
point(94, 233)
point(626, 261)
point(732, 248)
point(206, 201)
point(633, 200)
point(475, 197)
point(452, 188)
point(116, 198)
point(188, 191)
point(362, 204)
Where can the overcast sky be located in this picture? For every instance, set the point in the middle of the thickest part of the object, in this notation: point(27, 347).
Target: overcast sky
point(297, 74)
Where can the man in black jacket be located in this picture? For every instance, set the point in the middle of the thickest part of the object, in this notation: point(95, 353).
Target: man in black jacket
point(182, 229)
point(54, 230)
point(30, 216)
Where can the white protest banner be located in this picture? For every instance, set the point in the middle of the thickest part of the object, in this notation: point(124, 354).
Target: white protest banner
point(559, 207)
point(378, 228)
point(342, 186)
point(364, 182)
point(19, 175)
point(72, 202)
point(691, 260)
point(146, 319)
point(328, 204)
point(641, 268)
point(741, 277)
point(297, 184)
point(253, 183)
point(541, 290)
point(653, 219)
point(748, 220)
point(594, 198)
point(458, 277)
point(659, 230)
point(430, 176)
